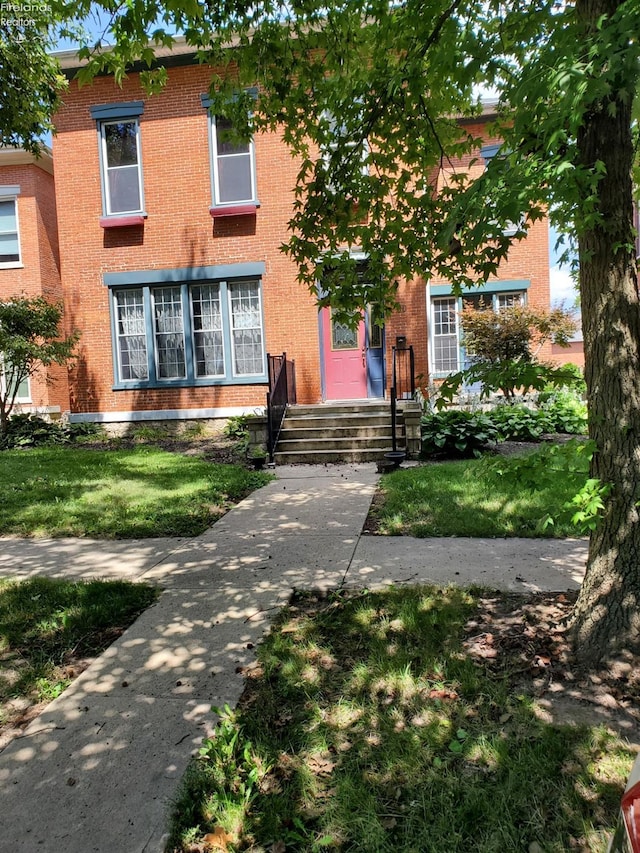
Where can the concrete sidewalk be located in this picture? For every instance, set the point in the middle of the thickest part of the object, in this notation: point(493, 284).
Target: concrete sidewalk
point(98, 769)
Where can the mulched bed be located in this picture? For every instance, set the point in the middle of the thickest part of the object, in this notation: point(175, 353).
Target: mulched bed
point(525, 637)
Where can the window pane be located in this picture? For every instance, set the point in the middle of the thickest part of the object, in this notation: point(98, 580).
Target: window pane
point(121, 143)
point(124, 189)
point(207, 330)
point(342, 336)
point(444, 316)
point(7, 216)
point(169, 332)
point(132, 341)
point(246, 326)
point(445, 353)
point(226, 141)
point(234, 178)
point(9, 248)
point(508, 300)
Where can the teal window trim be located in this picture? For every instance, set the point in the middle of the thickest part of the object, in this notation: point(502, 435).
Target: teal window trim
point(105, 114)
point(191, 379)
point(491, 289)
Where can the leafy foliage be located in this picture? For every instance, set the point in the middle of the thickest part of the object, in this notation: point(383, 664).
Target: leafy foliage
point(368, 724)
point(456, 433)
point(26, 430)
point(30, 339)
point(570, 463)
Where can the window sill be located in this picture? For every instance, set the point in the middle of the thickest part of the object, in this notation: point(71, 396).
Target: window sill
point(12, 265)
point(122, 221)
point(221, 211)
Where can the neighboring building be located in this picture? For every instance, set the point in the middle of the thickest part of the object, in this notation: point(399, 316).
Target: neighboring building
point(30, 260)
point(170, 235)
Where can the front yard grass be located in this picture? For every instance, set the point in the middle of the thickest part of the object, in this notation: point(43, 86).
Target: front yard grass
point(124, 494)
point(48, 630)
point(371, 723)
point(475, 497)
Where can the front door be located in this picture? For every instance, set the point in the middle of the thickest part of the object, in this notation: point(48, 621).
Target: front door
point(345, 361)
point(352, 359)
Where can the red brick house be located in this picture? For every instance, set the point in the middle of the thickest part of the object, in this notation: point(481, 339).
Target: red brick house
point(30, 259)
point(169, 239)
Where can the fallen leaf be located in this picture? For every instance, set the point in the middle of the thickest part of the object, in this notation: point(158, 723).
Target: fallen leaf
point(278, 847)
point(218, 839)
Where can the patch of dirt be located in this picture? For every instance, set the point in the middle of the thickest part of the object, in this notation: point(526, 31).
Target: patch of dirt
point(525, 639)
point(16, 714)
point(217, 448)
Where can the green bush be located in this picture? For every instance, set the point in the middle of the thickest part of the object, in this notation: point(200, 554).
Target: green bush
point(518, 423)
point(456, 433)
point(25, 430)
point(565, 412)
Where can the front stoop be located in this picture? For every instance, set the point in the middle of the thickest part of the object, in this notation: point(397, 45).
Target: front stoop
point(342, 432)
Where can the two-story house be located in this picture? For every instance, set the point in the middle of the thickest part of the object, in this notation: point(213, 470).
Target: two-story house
point(169, 237)
point(30, 260)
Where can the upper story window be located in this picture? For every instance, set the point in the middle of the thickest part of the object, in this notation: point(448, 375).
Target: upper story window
point(234, 174)
point(233, 165)
point(120, 158)
point(121, 166)
point(9, 232)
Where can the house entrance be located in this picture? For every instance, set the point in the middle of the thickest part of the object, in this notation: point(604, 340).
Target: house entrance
point(353, 358)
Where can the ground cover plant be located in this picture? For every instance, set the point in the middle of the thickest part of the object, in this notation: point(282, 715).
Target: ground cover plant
point(404, 721)
point(524, 495)
point(138, 492)
point(49, 631)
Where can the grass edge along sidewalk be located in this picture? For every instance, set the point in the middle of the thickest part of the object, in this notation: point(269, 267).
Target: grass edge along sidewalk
point(369, 724)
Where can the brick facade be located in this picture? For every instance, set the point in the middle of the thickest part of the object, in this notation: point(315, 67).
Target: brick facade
point(179, 233)
point(38, 271)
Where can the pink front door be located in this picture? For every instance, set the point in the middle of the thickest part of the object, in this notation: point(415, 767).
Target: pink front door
point(345, 366)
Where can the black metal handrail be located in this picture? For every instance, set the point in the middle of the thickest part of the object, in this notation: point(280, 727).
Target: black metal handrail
point(281, 393)
point(403, 384)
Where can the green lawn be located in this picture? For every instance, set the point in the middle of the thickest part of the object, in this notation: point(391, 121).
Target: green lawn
point(49, 627)
point(368, 727)
point(481, 497)
point(116, 493)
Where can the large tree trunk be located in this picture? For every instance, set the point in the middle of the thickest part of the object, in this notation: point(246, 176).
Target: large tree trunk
point(606, 618)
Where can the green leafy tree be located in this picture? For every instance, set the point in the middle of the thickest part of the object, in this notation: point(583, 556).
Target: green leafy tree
point(30, 340)
point(383, 84)
point(504, 346)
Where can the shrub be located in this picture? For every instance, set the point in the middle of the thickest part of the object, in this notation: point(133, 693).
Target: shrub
point(518, 423)
point(25, 430)
point(565, 412)
point(456, 433)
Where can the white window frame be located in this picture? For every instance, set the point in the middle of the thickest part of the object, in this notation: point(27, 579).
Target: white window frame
point(492, 298)
point(432, 337)
point(11, 193)
point(215, 157)
point(232, 329)
point(19, 400)
point(336, 136)
point(105, 168)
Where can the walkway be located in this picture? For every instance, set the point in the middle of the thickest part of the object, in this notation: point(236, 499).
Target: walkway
point(98, 769)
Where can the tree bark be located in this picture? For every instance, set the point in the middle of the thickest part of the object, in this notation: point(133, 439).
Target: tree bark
point(606, 619)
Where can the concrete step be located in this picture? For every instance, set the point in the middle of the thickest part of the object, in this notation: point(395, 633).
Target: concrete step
point(296, 433)
point(354, 442)
point(372, 419)
point(321, 409)
point(321, 456)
